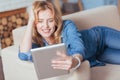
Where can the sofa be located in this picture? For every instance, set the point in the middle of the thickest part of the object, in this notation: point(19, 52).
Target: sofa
point(15, 69)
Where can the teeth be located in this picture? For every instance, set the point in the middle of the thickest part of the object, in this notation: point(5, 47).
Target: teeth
point(46, 30)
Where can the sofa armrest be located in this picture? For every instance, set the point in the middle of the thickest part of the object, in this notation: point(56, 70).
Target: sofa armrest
point(15, 69)
point(18, 34)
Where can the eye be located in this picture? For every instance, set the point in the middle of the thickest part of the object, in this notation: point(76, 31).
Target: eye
point(51, 20)
point(40, 21)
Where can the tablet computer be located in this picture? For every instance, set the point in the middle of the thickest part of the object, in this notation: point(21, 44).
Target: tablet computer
point(42, 60)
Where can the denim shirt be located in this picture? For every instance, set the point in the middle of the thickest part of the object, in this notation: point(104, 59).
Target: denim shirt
point(70, 36)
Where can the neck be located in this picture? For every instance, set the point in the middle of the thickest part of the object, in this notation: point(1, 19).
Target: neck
point(50, 40)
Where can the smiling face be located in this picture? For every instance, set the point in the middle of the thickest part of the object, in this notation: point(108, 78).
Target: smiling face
point(46, 23)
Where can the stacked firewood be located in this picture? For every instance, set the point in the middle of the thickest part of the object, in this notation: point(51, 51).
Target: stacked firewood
point(10, 22)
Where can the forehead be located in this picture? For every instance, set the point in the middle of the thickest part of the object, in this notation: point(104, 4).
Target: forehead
point(43, 14)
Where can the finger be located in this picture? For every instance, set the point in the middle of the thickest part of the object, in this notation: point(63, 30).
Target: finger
point(61, 63)
point(58, 62)
point(61, 54)
point(65, 67)
point(61, 66)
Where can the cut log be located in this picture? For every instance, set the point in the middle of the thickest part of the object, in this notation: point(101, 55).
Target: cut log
point(6, 34)
point(8, 41)
point(26, 16)
point(19, 21)
point(13, 18)
point(9, 24)
point(1, 28)
point(4, 21)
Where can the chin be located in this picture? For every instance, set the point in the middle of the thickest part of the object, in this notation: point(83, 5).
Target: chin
point(46, 36)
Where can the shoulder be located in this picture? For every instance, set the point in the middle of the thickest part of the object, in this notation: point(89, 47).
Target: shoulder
point(66, 22)
point(69, 27)
point(69, 24)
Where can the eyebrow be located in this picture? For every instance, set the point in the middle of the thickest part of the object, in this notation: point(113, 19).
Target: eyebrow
point(43, 19)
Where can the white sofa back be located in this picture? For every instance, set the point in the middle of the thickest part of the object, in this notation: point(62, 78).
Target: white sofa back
point(106, 16)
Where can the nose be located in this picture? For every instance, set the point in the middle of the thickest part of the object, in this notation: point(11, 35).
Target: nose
point(46, 24)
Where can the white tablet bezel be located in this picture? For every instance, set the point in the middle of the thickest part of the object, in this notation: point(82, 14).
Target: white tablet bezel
point(42, 60)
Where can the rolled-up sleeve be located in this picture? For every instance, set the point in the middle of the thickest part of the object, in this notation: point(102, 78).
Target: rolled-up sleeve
point(73, 39)
point(27, 56)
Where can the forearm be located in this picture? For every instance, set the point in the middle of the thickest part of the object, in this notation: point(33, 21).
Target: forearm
point(26, 43)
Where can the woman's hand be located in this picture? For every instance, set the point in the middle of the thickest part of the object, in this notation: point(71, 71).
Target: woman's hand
point(31, 15)
point(64, 62)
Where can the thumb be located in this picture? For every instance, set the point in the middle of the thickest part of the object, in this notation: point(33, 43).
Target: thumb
point(61, 54)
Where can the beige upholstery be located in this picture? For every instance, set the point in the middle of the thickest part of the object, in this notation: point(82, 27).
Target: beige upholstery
point(18, 35)
point(15, 69)
point(106, 16)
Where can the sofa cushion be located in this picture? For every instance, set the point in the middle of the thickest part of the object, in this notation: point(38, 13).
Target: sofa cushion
point(105, 16)
point(108, 72)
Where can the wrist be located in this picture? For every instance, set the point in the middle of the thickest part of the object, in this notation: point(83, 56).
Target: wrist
point(78, 63)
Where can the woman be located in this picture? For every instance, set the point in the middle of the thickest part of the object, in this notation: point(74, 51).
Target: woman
point(45, 27)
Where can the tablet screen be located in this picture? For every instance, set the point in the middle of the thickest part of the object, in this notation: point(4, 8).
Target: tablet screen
point(42, 61)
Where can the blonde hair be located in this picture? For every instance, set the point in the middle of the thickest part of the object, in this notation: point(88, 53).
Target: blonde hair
point(43, 5)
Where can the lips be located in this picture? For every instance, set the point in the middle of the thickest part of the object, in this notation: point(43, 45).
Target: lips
point(46, 30)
